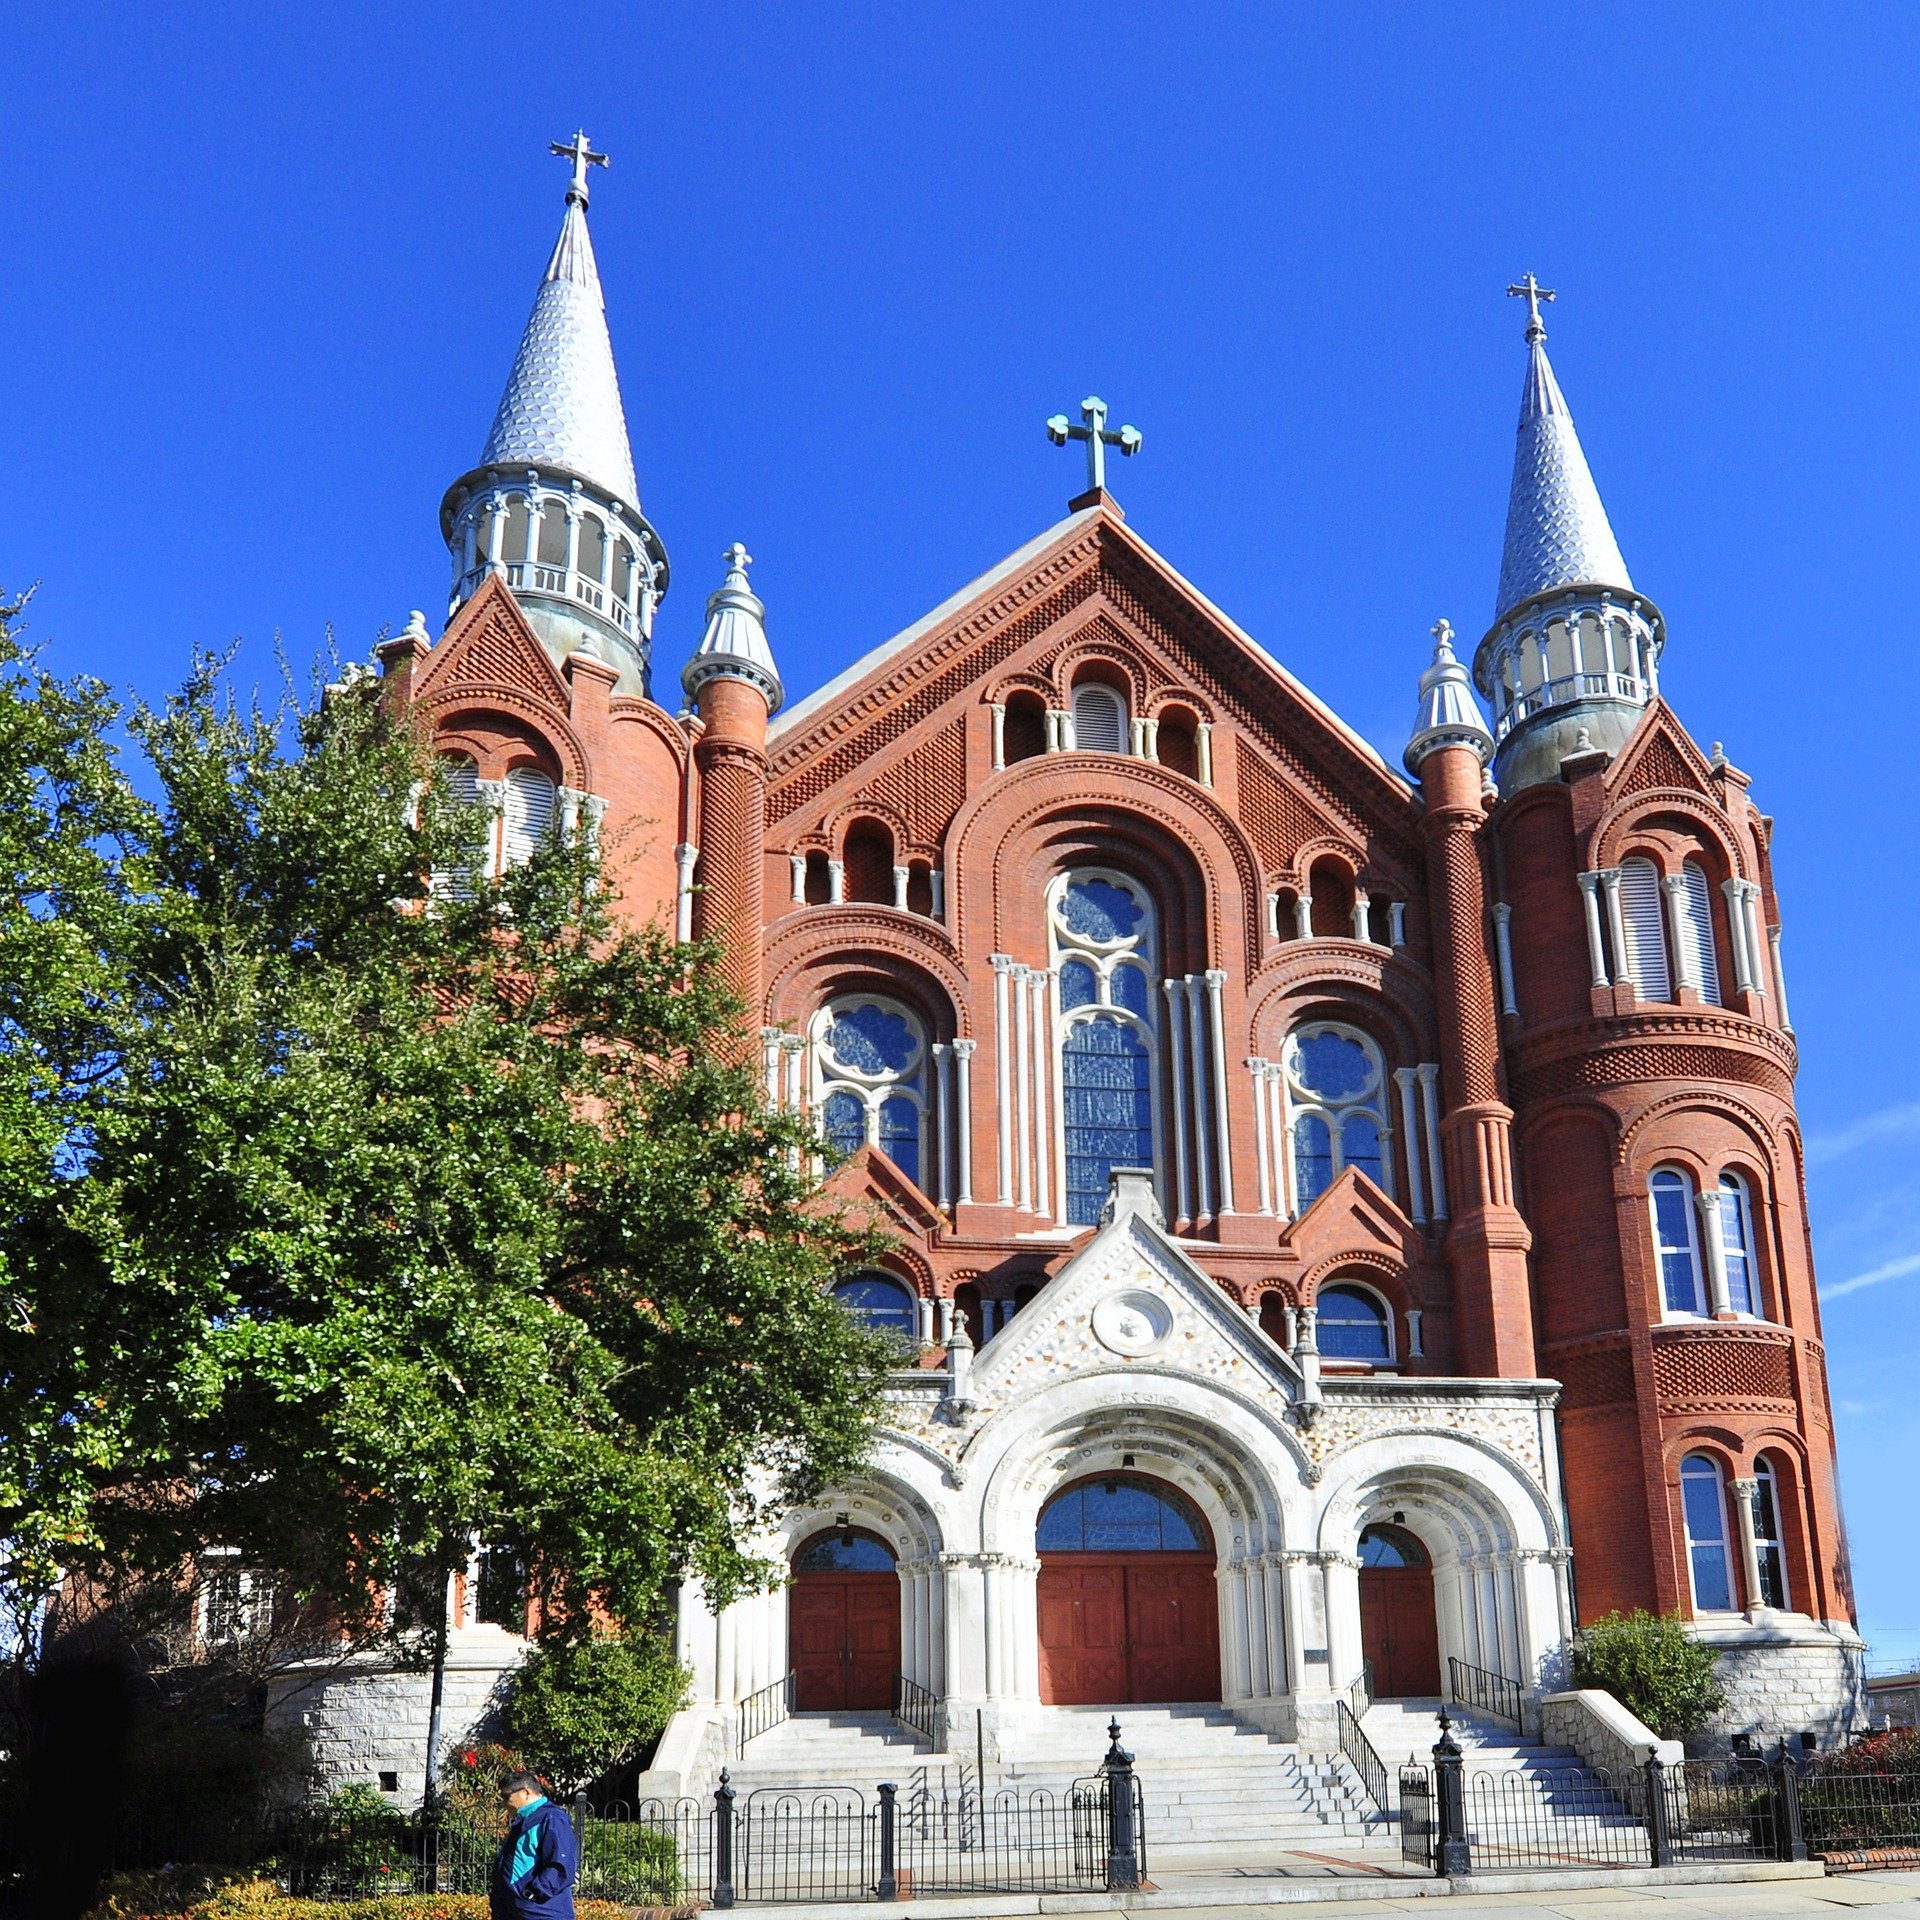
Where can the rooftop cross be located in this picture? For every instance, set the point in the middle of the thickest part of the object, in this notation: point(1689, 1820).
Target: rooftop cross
point(1532, 292)
point(1098, 436)
point(580, 151)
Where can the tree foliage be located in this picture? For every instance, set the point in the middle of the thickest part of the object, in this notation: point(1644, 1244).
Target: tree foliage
point(1651, 1665)
point(347, 1216)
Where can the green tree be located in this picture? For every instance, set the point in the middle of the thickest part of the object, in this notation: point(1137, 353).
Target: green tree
point(578, 1710)
point(1650, 1664)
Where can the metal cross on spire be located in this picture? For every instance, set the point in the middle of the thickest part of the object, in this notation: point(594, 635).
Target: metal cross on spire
point(1532, 292)
point(1098, 436)
point(580, 151)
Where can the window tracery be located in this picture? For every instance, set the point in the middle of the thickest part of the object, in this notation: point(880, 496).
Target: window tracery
point(871, 1080)
point(1336, 1088)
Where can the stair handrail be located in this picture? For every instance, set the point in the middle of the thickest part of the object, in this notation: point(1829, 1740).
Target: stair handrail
point(1360, 1693)
point(914, 1706)
point(1481, 1690)
point(765, 1708)
point(1358, 1751)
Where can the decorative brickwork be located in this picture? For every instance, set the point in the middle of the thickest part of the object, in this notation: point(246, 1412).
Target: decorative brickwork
point(1279, 820)
point(1662, 765)
point(1592, 1376)
point(1635, 1065)
point(1719, 1370)
point(928, 787)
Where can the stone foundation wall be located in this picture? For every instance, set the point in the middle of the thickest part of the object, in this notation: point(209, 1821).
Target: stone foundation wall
point(363, 1718)
point(1782, 1682)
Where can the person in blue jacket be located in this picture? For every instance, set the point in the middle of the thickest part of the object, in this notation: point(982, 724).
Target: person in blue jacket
point(534, 1869)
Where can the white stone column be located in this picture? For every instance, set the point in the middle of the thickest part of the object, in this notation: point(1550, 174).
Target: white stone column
point(943, 1117)
point(1397, 922)
point(1404, 1078)
point(1150, 740)
point(963, 1126)
point(1596, 946)
point(943, 1315)
point(1429, 1072)
point(1040, 985)
point(1262, 1154)
point(1203, 1140)
point(998, 709)
point(1779, 978)
point(1059, 730)
point(1177, 1075)
point(1305, 1614)
point(1002, 965)
point(1285, 1199)
point(1617, 927)
point(1714, 1248)
point(836, 883)
point(496, 528)
point(797, 876)
point(1137, 737)
point(795, 1049)
point(1415, 1350)
point(1361, 931)
point(1734, 893)
point(1744, 1494)
point(1303, 916)
point(1680, 953)
point(1273, 914)
point(1203, 751)
point(901, 878)
point(684, 857)
point(1216, 979)
point(937, 886)
point(966, 1626)
point(925, 1309)
point(1023, 1082)
point(770, 1059)
point(1341, 1573)
point(1503, 949)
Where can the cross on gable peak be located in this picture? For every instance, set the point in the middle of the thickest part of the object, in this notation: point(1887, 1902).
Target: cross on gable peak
point(1533, 293)
point(580, 151)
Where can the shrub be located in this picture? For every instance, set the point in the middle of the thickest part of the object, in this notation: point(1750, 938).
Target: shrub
point(261, 1900)
point(1653, 1668)
point(578, 1710)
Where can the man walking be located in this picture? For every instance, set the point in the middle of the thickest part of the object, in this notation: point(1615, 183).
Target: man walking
point(533, 1871)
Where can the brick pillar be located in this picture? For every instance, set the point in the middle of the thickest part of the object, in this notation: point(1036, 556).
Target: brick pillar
point(727, 903)
point(1487, 1243)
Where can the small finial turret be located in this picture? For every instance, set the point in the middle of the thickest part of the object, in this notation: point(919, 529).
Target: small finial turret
point(735, 646)
point(1448, 716)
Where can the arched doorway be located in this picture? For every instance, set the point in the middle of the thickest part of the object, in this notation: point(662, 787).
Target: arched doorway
point(1129, 1609)
point(843, 1623)
point(1397, 1625)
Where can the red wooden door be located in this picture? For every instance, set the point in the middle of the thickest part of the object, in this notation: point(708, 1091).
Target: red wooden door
point(843, 1641)
point(1116, 1628)
point(1397, 1631)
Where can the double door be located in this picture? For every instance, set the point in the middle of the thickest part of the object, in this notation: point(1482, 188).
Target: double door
point(1116, 1628)
point(1398, 1633)
point(843, 1633)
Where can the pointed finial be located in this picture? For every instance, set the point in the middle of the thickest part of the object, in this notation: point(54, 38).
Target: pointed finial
point(1442, 631)
point(738, 560)
point(1533, 293)
point(580, 151)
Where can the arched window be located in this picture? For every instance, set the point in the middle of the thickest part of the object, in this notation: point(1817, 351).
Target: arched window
point(463, 785)
point(1331, 887)
point(883, 1303)
point(529, 815)
point(870, 1080)
point(1768, 1542)
point(1026, 728)
point(870, 863)
point(1693, 933)
point(1646, 930)
point(1703, 1497)
point(1104, 948)
point(1122, 1514)
point(1099, 719)
point(593, 546)
point(1353, 1325)
point(1736, 1245)
point(513, 539)
point(1385, 1546)
point(1178, 745)
point(553, 535)
point(623, 569)
point(1676, 1239)
point(844, 1552)
point(1336, 1088)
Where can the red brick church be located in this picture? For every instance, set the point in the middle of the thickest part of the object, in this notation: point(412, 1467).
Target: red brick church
point(1350, 1217)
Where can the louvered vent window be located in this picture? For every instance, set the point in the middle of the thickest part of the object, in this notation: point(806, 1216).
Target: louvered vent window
point(1693, 935)
point(463, 785)
point(1646, 934)
point(1099, 720)
point(529, 814)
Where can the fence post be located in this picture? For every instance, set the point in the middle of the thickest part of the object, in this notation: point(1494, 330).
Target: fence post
point(1789, 1830)
point(1123, 1848)
point(1659, 1832)
point(723, 1841)
point(889, 1887)
point(1451, 1852)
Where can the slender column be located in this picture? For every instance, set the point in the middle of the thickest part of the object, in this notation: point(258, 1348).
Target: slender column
point(900, 878)
point(963, 1078)
point(1222, 1133)
point(1040, 985)
point(1779, 978)
point(1273, 1581)
point(1745, 1493)
point(1261, 1150)
point(1273, 915)
point(1023, 1083)
point(1718, 1299)
point(1203, 751)
point(943, 1107)
point(1150, 740)
point(1002, 966)
point(1679, 952)
point(927, 1317)
point(1596, 946)
point(496, 527)
point(573, 537)
point(530, 550)
point(1429, 1072)
point(1177, 1074)
point(937, 886)
point(1341, 1572)
point(1415, 1351)
point(797, 877)
point(1360, 905)
point(1404, 1078)
point(795, 1049)
point(770, 1060)
point(998, 709)
point(1734, 892)
point(1059, 736)
point(683, 858)
point(836, 882)
point(1303, 916)
point(1750, 927)
point(1203, 1144)
point(1284, 1196)
point(1137, 737)
point(943, 1313)
point(1503, 951)
point(1397, 922)
point(1617, 928)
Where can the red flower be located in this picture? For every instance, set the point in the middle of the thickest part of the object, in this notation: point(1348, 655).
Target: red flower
point(470, 1758)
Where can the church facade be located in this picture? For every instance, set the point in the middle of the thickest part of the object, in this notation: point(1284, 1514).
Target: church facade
point(1348, 1218)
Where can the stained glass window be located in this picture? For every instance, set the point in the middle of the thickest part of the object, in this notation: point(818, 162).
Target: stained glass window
point(1106, 1091)
point(870, 1081)
point(884, 1303)
point(1121, 1515)
point(846, 1552)
point(1352, 1325)
point(1101, 911)
point(1336, 1088)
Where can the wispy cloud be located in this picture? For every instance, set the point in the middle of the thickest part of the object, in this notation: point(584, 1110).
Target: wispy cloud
point(1875, 1276)
point(1888, 1124)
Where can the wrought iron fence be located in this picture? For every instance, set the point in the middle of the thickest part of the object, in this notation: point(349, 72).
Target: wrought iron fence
point(1482, 1691)
point(767, 1708)
point(914, 1707)
point(1416, 1815)
point(1848, 1812)
point(1361, 1756)
point(1013, 1842)
point(803, 1843)
point(1518, 1818)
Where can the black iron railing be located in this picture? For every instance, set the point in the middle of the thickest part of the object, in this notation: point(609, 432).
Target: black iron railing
point(914, 1707)
point(1359, 1753)
point(1416, 1815)
point(1484, 1692)
point(1360, 1693)
point(1517, 1819)
point(767, 1708)
point(1851, 1812)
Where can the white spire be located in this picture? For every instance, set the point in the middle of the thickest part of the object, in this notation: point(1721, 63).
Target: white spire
point(1557, 530)
point(734, 646)
point(561, 409)
point(1448, 715)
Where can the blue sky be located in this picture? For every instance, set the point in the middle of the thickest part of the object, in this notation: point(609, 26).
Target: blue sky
point(266, 279)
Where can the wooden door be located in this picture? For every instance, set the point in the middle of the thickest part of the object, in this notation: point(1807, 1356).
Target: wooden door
point(1397, 1631)
point(843, 1641)
point(1116, 1628)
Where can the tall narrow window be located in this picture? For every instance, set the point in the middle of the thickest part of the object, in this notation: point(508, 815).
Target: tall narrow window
point(529, 815)
point(1335, 1085)
point(1736, 1245)
point(1099, 720)
point(463, 785)
point(870, 1085)
point(1676, 1238)
point(1104, 949)
point(1768, 1544)
point(1703, 1497)
point(1693, 933)
point(1646, 930)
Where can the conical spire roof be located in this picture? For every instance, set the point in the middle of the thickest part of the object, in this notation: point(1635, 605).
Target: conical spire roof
point(1447, 715)
point(562, 405)
point(735, 646)
point(1557, 530)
